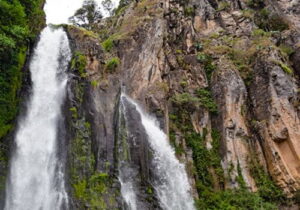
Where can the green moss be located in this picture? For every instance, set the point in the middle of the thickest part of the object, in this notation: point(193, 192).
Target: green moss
point(74, 112)
point(112, 64)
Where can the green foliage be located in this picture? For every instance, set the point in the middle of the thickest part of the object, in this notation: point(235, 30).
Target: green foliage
point(108, 44)
point(90, 191)
point(112, 64)
point(270, 21)
point(78, 63)
point(266, 187)
point(207, 61)
point(16, 32)
point(232, 200)
point(87, 16)
point(206, 100)
point(208, 171)
point(202, 98)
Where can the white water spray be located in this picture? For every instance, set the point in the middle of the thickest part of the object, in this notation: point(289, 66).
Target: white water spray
point(172, 188)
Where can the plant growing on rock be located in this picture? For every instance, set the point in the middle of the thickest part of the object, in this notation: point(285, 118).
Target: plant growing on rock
point(112, 64)
point(78, 63)
point(108, 44)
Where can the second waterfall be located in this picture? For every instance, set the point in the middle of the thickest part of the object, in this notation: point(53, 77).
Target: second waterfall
point(165, 174)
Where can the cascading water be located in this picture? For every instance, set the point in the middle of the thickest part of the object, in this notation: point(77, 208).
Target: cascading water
point(126, 173)
point(36, 181)
point(172, 186)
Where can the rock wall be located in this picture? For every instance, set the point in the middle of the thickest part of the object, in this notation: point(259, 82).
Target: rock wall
point(220, 76)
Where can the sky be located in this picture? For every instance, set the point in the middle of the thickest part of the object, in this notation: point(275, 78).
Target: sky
point(59, 11)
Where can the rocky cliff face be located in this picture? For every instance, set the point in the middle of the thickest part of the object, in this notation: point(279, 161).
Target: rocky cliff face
point(221, 77)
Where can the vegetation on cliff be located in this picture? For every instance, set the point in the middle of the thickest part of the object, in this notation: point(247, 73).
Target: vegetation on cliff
point(20, 23)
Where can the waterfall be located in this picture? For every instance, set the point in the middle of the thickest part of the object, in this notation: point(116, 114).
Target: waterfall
point(36, 180)
point(126, 172)
point(171, 184)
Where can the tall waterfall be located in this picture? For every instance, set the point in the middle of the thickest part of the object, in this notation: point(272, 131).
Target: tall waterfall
point(172, 186)
point(36, 180)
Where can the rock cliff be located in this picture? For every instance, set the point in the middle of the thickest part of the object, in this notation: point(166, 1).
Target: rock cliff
point(222, 79)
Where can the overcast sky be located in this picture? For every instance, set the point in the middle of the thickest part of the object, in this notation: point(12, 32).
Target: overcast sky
point(58, 11)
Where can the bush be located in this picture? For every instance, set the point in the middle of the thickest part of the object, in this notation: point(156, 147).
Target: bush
point(78, 63)
point(108, 44)
point(270, 21)
point(112, 64)
point(206, 100)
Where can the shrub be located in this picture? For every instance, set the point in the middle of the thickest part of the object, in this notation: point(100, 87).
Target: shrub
point(206, 100)
point(108, 44)
point(78, 63)
point(112, 64)
point(270, 21)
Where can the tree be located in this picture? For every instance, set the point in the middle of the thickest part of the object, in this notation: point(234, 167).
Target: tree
point(88, 15)
point(108, 5)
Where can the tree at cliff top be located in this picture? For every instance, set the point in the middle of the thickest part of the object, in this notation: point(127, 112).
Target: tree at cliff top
point(88, 15)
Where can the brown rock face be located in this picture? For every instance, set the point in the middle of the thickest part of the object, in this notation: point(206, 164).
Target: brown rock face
point(230, 94)
point(274, 94)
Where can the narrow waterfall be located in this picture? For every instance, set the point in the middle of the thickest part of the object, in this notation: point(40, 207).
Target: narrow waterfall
point(36, 180)
point(172, 186)
point(126, 172)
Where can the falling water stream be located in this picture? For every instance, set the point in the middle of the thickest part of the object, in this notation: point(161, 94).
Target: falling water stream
point(172, 186)
point(36, 180)
point(32, 184)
